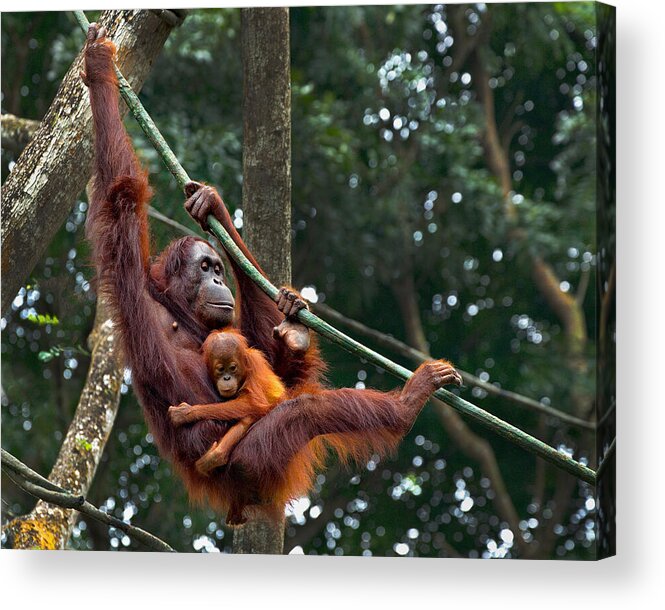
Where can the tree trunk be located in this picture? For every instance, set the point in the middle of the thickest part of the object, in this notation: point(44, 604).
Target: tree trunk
point(266, 162)
point(54, 168)
point(568, 309)
point(565, 306)
point(266, 197)
point(472, 445)
point(48, 526)
point(404, 290)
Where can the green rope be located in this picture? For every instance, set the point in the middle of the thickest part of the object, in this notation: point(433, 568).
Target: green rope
point(512, 433)
point(143, 118)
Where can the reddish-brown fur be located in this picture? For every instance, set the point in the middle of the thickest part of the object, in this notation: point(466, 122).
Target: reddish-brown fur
point(275, 461)
point(258, 390)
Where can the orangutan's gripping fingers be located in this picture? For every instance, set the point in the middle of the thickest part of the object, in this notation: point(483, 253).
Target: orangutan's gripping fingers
point(93, 33)
point(297, 305)
point(196, 206)
point(179, 415)
point(197, 198)
point(288, 307)
point(289, 302)
point(445, 374)
point(98, 56)
point(191, 188)
point(189, 204)
point(95, 36)
point(281, 302)
point(451, 375)
point(433, 375)
point(202, 203)
point(281, 299)
point(190, 198)
point(450, 378)
point(200, 206)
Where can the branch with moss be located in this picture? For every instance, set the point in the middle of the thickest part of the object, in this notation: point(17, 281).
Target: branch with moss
point(53, 169)
point(85, 440)
point(17, 132)
point(36, 485)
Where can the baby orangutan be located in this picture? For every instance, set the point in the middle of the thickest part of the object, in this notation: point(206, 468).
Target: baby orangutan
point(244, 379)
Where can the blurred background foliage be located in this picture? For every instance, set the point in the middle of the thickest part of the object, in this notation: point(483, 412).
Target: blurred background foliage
point(391, 195)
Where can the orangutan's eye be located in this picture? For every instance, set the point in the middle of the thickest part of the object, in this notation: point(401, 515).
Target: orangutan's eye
point(218, 269)
point(205, 266)
point(233, 368)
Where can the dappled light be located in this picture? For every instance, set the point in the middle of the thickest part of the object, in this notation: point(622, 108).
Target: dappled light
point(444, 186)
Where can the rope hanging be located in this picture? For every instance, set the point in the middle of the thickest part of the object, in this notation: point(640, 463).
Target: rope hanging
point(512, 433)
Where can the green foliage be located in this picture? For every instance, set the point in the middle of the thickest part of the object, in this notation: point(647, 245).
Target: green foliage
point(42, 319)
point(59, 350)
point(83, 443)
point(390, 184)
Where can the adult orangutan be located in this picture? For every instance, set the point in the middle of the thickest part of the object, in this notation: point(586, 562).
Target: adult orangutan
point(165, 309)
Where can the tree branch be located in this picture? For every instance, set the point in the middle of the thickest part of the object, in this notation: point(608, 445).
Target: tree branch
point(55, 166)
point(17, 132)
point(36, 485)
point(86, 437)
point(416, 356)
point(467, 440)
point(582, 287)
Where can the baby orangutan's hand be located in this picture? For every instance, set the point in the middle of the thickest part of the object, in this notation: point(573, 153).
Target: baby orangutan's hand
point(181, 414)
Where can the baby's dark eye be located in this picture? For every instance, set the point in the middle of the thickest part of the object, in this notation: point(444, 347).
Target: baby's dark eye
point(233, 368)
point(218, 269)
point(205, 266)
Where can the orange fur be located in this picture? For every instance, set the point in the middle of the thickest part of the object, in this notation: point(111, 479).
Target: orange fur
point(292, 429)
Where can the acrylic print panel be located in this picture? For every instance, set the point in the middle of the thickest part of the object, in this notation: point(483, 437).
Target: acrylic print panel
point(436, 181)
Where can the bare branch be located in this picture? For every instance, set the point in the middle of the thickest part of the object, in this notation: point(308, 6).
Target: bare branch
point(86, 437)
point(611, 450)
point(582, 287)
point(54, 167)
point(173, 223)
point(17, 132)
point(36, 485)
point(417, 356)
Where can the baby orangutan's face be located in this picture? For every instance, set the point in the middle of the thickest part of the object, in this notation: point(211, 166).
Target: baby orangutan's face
point(229, 373)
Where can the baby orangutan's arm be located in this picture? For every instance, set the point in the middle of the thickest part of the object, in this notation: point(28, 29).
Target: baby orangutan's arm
point(238, 408)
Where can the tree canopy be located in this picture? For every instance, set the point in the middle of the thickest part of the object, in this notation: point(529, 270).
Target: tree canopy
point(405, 218)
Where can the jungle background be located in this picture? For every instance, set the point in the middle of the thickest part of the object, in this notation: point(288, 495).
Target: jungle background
point(464, 233)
